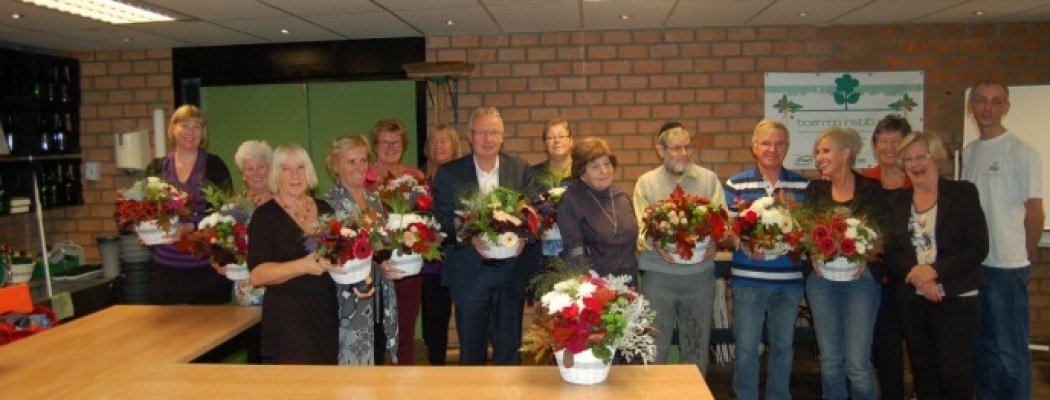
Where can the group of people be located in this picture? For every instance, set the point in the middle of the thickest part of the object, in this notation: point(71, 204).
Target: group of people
point(951, 282)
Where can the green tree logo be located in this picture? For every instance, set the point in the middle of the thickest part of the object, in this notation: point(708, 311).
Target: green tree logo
point(844, 90)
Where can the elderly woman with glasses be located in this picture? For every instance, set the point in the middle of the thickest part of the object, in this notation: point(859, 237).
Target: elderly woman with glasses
point(936, 242)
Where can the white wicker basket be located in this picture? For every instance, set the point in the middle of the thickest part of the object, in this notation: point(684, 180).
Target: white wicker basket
point(698, 252)
point(152, 235)
point(352, 271)
point(586, 368)
point(839, 270)
point(498, 252)
point(237, 272)
point(411, 263)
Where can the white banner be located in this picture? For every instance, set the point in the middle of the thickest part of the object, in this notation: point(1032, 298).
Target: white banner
point(811, 102)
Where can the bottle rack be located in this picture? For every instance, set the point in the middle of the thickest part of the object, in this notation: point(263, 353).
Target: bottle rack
point(40, 116)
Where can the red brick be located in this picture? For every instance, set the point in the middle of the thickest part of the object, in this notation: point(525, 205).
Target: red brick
point(602, 82)
point(601, 52)
point(711, 34)
point(543, 83)
point(818, 48)
point(525, 69)
point(570, 53)
point(710, 96)
point(492, 70)
point(133, 54)
point(528, 99)
point(679, 35)
point(481, 85)
point(727, 79)
point(616, 67)
point(663, 81)
point(438, 42)
point(772, 33)
point(695, 49)
point(524, 39)
point(740, 64)
point(620, 97)
point(554, 38)
point(678, 65)
point(92, 68)
point(557, 99)
point(709, 65)
point(586, 38)
point(663, 50)
point(633, 82)
point(648, 36)
point(572, 83)
point(787, 48)
point(681, 96)
point(541, 53)
point(696, 111)
point(556, 68)
point(801, 64)
point(466, 41)
point(118, 67)
point(616, 37)
point(513, 84)
point(742, 34)
point(771, 63)
point(632, 51)
point(586, 68)
point(452, 55)
point(647, 66)
point(832, 64)
point(666, 111)
point(146, 67)
point(635, 112)
point(758, 48)
point(725, 49)
point(509, 55)
point(590, 98)
point(650, 96)
point(120, 96)
point(605, 112)
point(742, 95)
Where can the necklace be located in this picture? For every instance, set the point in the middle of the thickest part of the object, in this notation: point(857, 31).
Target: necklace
point(612, 220)
point(299, 214)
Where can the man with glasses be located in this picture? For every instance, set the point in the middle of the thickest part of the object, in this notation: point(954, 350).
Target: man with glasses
point(681, 294)
point(764, 291)
point(489, 295)
point(1007, 172)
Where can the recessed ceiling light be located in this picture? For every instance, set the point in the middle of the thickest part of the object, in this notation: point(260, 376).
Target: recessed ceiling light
point(126, 39)
point(978, 13)
point(285, 31)
point(112, 11)
point(625, 16)
point(16, 16)
point(450, 22)
point(802, 14)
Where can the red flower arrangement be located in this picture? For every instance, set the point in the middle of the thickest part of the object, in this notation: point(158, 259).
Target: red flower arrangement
point(585, 312)
point(768, 228)
point(222, 236)
point(151, 199)
point(684, 220)
point(343, 237)
point(836, 233)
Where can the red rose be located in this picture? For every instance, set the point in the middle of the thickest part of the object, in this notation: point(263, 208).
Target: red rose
point(424, 202)
point(750, 216)
point(571, 312)
point(362, 248)
point(827, 246)
point(848, 247)
point(821, 232)
point(839, 226)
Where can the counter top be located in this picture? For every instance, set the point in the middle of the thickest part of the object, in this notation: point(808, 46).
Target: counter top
point(132, 352)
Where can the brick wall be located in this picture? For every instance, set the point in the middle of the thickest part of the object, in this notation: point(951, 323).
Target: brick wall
point(617, 84)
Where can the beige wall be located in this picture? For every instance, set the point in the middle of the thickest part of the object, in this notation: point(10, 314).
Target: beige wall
point(617, 84)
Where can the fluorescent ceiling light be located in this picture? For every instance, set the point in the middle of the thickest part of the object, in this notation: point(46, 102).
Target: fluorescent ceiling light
point(111, 11)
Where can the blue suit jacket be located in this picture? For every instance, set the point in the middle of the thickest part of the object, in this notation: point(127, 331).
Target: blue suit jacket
point(454, 179)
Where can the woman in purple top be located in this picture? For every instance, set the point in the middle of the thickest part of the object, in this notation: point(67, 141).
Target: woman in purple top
point(181, 278)
point(597, 222)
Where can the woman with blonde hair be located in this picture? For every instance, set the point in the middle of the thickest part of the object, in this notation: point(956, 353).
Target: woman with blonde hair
point(442, 146)
point(348, 160)
point(179, 277)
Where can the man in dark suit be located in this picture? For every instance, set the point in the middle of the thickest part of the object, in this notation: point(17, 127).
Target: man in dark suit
point(489, 295)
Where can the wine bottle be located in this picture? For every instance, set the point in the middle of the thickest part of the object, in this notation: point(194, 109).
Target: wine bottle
point(73, 186)
point(65, 85)
point(59, 135)
point(44, 135)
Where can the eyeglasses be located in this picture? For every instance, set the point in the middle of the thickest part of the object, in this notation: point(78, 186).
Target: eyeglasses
point(685, 148)
point(770, 144)
point(556, 137)
point(389, 143)
point(921, 158)
point(492, 133)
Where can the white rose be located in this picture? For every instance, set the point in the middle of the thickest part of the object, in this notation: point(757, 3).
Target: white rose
point(586, 289)
point(508, 239)
point(555, 301)
point(851, 232)
point(861, 247)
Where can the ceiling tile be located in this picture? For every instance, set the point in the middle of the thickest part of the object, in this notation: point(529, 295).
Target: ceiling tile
point(558, 16)
point(468, 20)
point(883, 12)
point(606, 15)
point(115, 35)
point(270, 29)
point(43, 19)
point(220, 10)
point(818, 12)
point(324, 7)
point(715, 12)
point(1037, 14)
point(199, 33)
point(992, 9)
point(365, 25)
point(398, 5)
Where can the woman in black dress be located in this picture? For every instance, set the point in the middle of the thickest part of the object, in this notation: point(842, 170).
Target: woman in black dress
point(299, 320)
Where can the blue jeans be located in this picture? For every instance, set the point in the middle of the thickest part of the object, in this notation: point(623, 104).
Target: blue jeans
point(777, 307)
point(1002, 361)
point(844, 320)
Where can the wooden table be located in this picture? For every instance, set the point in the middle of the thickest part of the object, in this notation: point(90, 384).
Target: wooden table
point(135, 352)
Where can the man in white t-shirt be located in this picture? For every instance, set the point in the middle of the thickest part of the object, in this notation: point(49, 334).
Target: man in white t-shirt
point(1007, 172)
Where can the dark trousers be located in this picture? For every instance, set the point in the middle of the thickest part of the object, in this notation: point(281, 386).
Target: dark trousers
point(490, 311)
point(437, 310)
point(887, 348)
point(940, 344)
point(201, 285)
point(407, 290)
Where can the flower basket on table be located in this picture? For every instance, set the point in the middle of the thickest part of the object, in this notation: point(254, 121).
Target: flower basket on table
point(767, 229)
point(840, 243)
point(502, 218)
point(684, 225)
point(410, 231)
point(152, 207)
point(586, 320)
point(347, 241)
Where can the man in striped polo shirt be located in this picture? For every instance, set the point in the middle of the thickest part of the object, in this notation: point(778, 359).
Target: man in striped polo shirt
point(764, 291)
